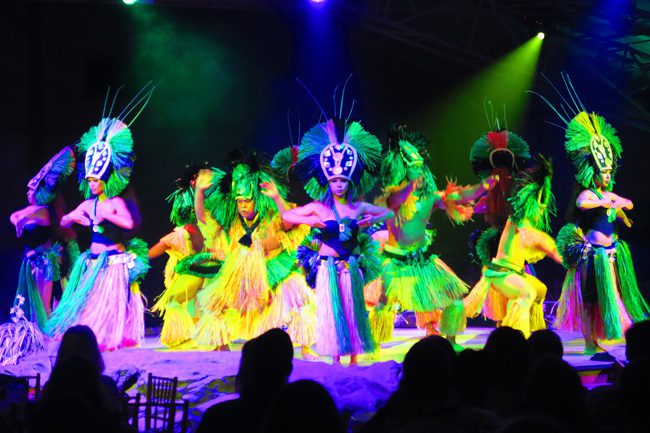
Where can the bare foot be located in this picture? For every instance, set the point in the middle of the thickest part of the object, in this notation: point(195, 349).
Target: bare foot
point(308, 354)
point(222, 348)
point(336, 360)
point(353, 360)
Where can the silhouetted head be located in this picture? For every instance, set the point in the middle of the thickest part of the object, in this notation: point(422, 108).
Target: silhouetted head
point(545, 342)
point(554, 388)
point(266, 362)
point(428, 366)
point(302, 406)
point(509, 356)
point(637, 340)
point(80, 340)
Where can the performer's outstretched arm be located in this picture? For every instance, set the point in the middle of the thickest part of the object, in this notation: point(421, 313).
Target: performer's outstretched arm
point(79, 215)
point(306, 214)
point(374, 214)
point(474, 192)
point(120, 216)
point(203, 182)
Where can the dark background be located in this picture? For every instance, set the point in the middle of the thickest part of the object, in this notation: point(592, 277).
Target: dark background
point(227, 77)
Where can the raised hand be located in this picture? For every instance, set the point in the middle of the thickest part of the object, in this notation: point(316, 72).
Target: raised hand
point(270, 189)
point(204, 179)
point(366, 221)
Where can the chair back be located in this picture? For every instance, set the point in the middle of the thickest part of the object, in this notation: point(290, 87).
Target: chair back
point(160, 409)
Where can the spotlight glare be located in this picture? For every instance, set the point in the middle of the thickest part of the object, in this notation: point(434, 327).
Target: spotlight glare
point(129, 2)
point(540, 35)
point(317, 1)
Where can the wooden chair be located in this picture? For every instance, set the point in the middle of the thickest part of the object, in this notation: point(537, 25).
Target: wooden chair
point(161, 405)
point(34, 391)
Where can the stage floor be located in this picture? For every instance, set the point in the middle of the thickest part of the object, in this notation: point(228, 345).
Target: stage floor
point(207, 377)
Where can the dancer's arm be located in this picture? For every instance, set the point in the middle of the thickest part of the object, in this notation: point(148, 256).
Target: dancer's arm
point(115, 211)
point(157, 250)
point(79, 216)
point(619, 202)
point(531, 237)
point(270, 189)
point(203, 182)
point(306, 214)
point(588, 199)
point(373, 214)
point(474, 192)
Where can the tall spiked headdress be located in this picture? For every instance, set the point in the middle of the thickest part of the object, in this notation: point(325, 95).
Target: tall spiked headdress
point(105, 152)
point(337, 148)
point(590, 142)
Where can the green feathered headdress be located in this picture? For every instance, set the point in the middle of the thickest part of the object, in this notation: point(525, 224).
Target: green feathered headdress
point(285, 160)
point(48, 179)
point(182, 199)
point(498, 148)
point(249, 169)
point(532, 198)
point(397, 156)
point(106, 152)
point(591, 143)
point(592, 146)
point(342, 135)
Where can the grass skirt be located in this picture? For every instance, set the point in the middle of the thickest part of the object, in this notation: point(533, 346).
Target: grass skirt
point(100, 295)
point(618, 299)
point(420, 283)
point(343, 326)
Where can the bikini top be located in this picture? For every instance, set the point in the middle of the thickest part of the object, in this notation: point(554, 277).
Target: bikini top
point(35, 235)
point(342, 238)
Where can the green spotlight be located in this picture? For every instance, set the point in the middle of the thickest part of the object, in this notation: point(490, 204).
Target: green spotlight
point(540, 35)
point(459, 119)
point(129, 2)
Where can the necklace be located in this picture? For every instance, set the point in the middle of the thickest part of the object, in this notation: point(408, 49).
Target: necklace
point(345, 233)
point(247, 239)
point(96, 227)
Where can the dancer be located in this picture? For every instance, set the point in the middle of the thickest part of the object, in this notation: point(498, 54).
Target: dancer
point(186, 267)
point(334, 163)
point(257, 287)
point(103, 291)
point(600, 294)
point(500, 153)
point(36, 225)
point(413, 276)
point(515, 297)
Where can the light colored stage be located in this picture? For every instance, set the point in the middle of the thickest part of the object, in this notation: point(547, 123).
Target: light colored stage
point(207, 377)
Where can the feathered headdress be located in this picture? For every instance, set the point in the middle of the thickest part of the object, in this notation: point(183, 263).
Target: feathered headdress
point(249, 169)
point(182, 199)
point(532, 198)
point(48, 179)
point(338, 148)
point(105, 152)
point(284, 160)
point(498, 152)
point(590, 142)
point(405, 148)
